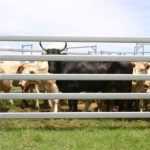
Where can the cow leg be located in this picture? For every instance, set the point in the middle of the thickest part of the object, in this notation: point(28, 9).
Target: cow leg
point(70, 105)
point(75, 109)
point(37, 105)
point(142, 102)
point(146, 105)
point(49, 102)
point(32, 90)
point(121, 105)
point(54, 89)
point(130, 102)
point(108, 105)
point(3, 103)
point(87, 105)
point(55, 105)
point(123, 88)
point(130, 105)
point(141, 105)
point(73, 105)
point(24, 102)
point(99, 105)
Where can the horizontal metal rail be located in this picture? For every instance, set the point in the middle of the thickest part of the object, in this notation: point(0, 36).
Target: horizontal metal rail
point(75, 39)
point(92, 46)
point(35, 115)
point(75, 96)
point(20, 50)
point(73, 77)
point(72, 58)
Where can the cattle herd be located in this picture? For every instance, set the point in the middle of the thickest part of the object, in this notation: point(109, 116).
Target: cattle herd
point(62, 67)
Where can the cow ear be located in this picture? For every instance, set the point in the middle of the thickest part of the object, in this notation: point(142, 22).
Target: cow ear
point(148, 65)
point(20, 69)
point(133, 64)
point(146, 84)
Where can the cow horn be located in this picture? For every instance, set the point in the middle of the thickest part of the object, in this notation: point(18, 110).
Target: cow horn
point(62, 49)
point(42, 46)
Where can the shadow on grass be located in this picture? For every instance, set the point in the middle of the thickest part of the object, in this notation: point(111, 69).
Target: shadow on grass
point(48, 128)
point(78, 124)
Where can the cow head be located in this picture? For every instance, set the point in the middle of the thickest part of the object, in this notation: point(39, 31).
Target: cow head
point(140, 67)
point(53, 51)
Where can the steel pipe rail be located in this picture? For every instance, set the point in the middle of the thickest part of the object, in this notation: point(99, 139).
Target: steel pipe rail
point(75, 39)
point(21, 50)
point(35, 115)
point(75, 96)
point(92, 46)
point(73, 77)
point(72, 58)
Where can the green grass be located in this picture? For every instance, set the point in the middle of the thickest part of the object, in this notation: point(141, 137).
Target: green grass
point(73, 134)
point(16, 88)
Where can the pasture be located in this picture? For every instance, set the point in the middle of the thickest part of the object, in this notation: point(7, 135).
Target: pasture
point(72, 134)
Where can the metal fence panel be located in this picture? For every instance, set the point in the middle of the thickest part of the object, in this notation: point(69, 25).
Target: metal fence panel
point(84, 96)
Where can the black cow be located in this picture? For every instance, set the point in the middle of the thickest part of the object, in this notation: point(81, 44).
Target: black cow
point(90, 68)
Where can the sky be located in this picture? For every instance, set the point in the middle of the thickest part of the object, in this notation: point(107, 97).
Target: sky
point(118, 18)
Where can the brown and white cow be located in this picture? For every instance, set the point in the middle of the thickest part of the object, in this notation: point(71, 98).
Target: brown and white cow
point(42, 67)
point(48, 86)
point(139, 86)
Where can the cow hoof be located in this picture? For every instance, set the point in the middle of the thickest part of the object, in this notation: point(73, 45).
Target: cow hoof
point(37, 107)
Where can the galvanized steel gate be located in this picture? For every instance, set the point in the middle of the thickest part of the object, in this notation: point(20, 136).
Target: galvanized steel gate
point(83, 96)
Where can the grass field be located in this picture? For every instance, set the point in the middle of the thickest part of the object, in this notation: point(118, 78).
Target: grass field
point(72, 134)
